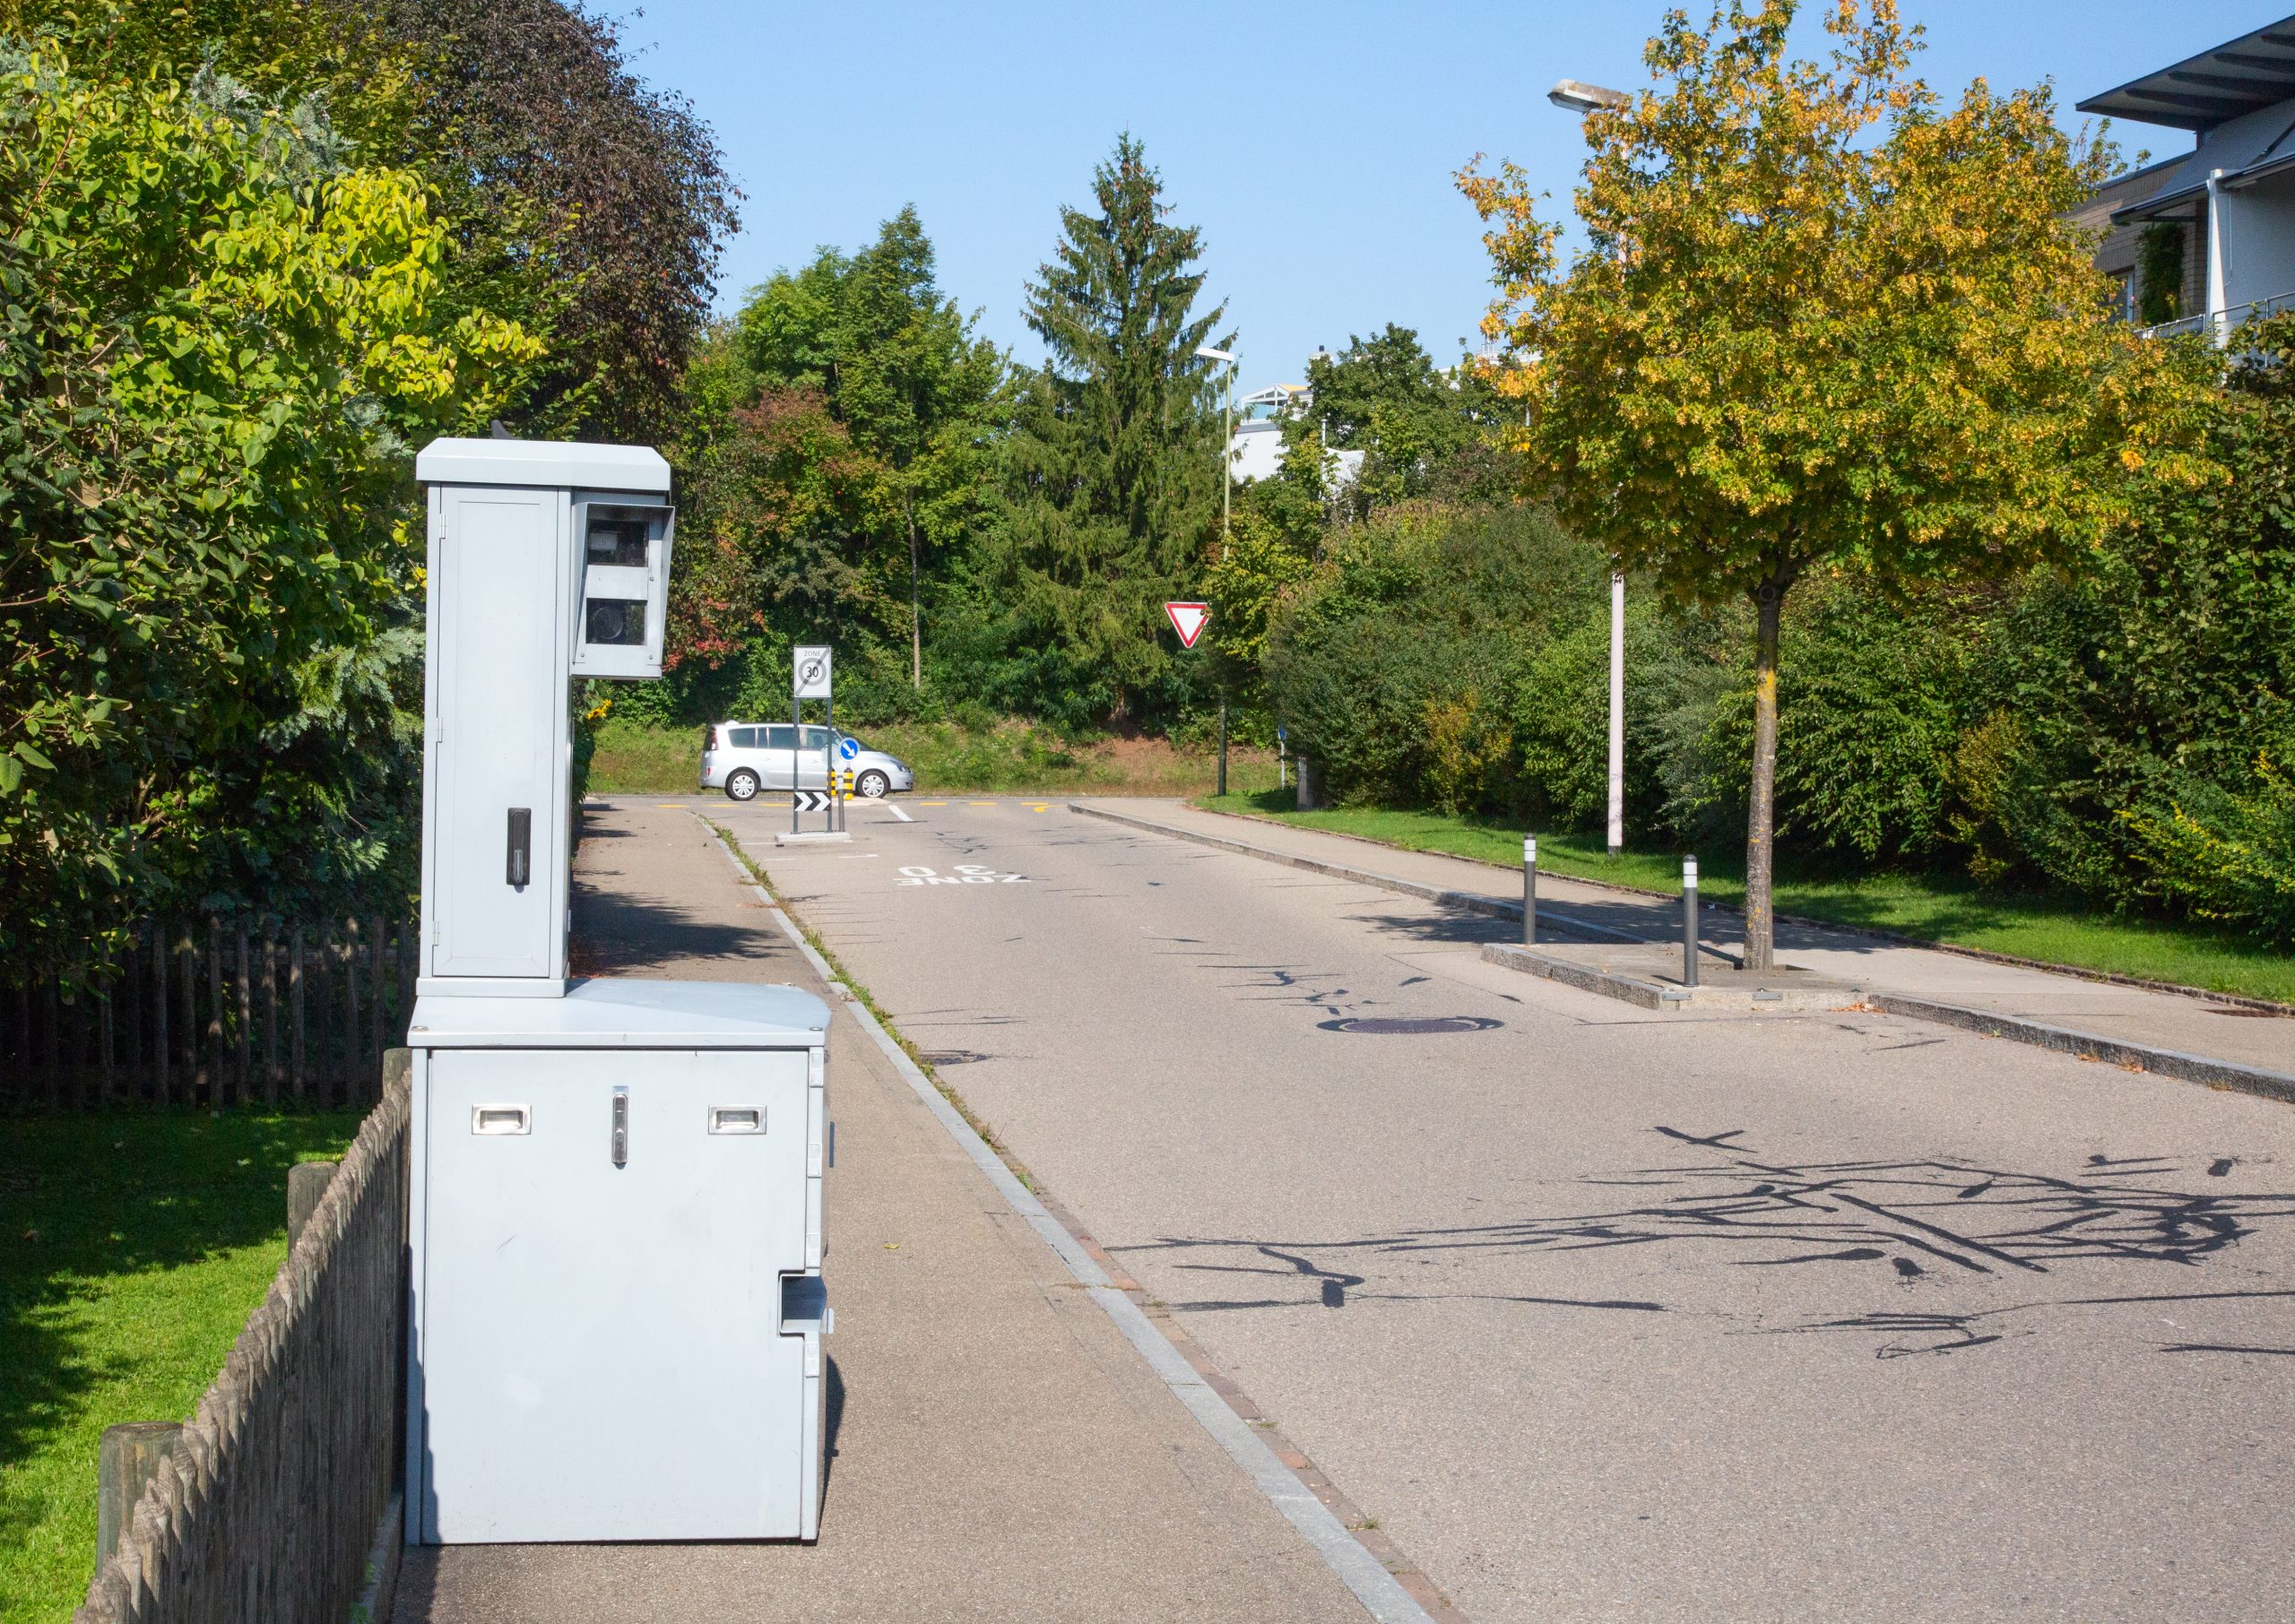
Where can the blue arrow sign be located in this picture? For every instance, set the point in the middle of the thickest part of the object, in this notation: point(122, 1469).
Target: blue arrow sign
point(848, 747)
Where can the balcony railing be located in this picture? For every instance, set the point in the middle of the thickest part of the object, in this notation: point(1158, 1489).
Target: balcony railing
point(2223, 320)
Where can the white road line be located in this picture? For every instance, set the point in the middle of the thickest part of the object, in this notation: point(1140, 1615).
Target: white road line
point(1380, 1591)
point(897, 812)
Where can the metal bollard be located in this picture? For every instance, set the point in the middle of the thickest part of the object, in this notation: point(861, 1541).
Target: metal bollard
point(1529, 890)
point(1689, 921)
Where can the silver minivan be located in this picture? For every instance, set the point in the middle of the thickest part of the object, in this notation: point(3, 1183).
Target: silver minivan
point(743, 757)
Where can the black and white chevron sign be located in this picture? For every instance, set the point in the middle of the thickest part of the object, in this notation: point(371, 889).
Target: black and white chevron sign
point(812, 800)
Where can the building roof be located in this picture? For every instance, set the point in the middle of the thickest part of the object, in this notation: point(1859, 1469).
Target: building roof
point(2250, 149)
point(2200, 93)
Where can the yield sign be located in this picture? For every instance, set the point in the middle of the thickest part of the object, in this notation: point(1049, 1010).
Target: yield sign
point(1188, 620)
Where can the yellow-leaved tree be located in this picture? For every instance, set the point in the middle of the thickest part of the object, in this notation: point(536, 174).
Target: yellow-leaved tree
point(1823, 321)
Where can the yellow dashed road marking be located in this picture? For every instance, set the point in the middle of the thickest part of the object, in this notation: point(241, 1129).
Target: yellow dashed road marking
point(932, 803)
point(980, 803)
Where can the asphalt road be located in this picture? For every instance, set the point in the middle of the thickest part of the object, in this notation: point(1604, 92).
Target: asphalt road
point(1607, 1315)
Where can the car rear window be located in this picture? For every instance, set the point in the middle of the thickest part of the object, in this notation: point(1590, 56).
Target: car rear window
point(781, 736)
point(744, 738)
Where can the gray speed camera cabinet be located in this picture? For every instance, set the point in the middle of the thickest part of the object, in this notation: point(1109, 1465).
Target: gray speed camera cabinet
point(617, 1307)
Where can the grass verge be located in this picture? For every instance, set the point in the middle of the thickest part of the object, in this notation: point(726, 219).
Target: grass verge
point(637, 758)
point(134, 1244)
point(1926, 907)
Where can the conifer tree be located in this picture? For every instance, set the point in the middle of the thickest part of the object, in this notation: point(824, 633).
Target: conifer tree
point(1113, 469)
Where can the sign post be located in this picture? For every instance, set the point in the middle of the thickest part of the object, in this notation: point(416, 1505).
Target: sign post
point(812, 677)
point(1189, 620)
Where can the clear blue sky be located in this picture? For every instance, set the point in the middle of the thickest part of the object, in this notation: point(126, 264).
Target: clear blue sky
point(1314, 145)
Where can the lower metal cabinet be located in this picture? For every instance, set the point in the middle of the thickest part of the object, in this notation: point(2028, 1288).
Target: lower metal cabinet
point(616, 1330)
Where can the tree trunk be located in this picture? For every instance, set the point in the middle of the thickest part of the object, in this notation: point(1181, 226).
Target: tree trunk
point(915, 621)
point(1761, 817)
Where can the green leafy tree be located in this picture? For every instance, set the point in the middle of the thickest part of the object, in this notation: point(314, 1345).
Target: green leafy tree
point(1113, 469)
point(900, 367)
point(1385, 397)
point(1824, 320)
point(219, 347)
point(576, 199)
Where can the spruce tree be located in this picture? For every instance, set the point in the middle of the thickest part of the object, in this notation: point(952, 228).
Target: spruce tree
point(1113, 467)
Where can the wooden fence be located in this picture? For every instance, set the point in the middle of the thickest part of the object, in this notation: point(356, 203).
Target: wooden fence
point(268, 1504)
point(222, 1013)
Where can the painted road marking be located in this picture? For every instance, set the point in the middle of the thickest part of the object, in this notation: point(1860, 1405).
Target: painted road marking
point(1040, 807)
point(897, 812)
point(669, 805)
point(967, 874)
point(932, 803)
point(980, 803)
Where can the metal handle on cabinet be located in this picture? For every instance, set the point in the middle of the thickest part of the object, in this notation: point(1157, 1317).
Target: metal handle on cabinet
point(520, 865)
point(622, 1127)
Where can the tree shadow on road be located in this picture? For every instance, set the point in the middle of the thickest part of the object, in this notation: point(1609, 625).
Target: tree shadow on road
point(1895, 1222)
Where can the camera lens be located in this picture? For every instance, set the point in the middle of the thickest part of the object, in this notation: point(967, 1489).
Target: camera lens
point(614, 621)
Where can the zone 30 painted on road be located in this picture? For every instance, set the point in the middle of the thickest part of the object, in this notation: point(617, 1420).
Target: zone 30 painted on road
point(967, 874)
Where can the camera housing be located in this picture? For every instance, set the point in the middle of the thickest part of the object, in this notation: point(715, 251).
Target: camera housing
point(624, 563)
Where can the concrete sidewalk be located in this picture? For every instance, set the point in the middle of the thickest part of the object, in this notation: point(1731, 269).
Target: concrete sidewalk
point(998, 1450)
point(2218, 1030)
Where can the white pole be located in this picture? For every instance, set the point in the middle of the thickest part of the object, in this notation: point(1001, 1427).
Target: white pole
point(2216, 297)
point(1617, 712)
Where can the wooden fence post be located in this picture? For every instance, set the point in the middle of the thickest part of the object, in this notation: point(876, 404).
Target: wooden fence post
point(187, 964)
point(215, 1089)
point(246, 1018)
point(23, 1057)
point(111, 1083)
point(127, 1461)
point(131, 1022)
point(353, 1070)
point(307, 1182)
point(48, 1044)
point(376, 1038)
point(270, 1018)
point(295, 1006)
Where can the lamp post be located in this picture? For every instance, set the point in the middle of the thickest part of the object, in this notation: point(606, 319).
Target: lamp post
point(1227, 446)
point(1227, 521)
point(1574, 95)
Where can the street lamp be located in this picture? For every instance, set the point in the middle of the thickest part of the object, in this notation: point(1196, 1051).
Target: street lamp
point(1226, 519)
point(1574, 95)
point(1227, 450)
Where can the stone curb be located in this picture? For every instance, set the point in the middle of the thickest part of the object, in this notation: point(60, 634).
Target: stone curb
point(379, 1594)
point(1983, 955)
point(2087, 1046)
point(1655, 995)
point(2166, 1062)
point(1472, 901)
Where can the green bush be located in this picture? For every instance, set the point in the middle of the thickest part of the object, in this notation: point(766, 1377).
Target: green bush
point(2229, 854)
point(1398, 665)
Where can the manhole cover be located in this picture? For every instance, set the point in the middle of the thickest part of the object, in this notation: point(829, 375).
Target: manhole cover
point(1410, 1025)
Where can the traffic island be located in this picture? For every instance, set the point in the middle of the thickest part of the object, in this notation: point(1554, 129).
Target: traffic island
point(1650, 976)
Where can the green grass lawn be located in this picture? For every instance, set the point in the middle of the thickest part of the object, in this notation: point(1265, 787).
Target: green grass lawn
point(134, 1244)
point(634, 758)
point(1931, 908)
